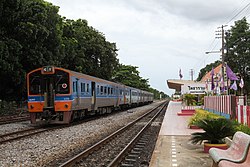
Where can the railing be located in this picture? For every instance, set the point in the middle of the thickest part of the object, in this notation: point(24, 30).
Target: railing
point(222, 105)
point(233, 107)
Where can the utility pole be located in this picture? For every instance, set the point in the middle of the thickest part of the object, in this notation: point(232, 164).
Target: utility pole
point(223, 45)
point(223, 53)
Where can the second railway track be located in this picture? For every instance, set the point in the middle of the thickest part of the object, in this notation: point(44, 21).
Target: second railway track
point(8, 137)
point(111, 150)
point(12, 119)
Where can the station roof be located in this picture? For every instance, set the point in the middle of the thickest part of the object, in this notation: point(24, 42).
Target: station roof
point(217, 70)
point(176, 83)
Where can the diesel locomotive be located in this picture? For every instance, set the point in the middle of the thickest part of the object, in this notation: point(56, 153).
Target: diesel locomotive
point(59, 96)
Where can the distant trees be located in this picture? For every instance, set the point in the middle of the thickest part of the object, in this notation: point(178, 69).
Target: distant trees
point(129, 75)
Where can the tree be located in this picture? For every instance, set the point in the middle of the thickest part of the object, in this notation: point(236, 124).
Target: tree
point(158, 94)
point(238, 50)
point(208, 68)
point(29, 38)
point(86, 50)
point(33, 34)
point(129, 75)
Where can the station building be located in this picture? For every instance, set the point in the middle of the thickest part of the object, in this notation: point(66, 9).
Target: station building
point(202, 87)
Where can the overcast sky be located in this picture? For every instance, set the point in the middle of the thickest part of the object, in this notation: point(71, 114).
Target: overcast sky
point(159, 36)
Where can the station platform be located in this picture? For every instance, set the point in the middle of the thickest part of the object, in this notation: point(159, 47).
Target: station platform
point(173, 147)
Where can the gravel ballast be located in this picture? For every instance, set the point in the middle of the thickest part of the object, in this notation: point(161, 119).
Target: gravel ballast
point(42, 149)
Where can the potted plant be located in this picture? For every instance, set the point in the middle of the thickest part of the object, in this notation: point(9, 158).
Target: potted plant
point(189, 99)
point(215, 130)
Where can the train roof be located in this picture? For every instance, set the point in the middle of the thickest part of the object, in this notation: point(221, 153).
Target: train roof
point(78, 74)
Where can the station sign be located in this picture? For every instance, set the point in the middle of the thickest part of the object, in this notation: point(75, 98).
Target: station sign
point(196, 88)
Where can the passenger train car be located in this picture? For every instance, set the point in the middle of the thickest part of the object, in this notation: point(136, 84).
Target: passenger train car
point(58, 96)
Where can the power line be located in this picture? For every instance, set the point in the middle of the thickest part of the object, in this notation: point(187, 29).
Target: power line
point(238, 13)
point(236, 10)
point(213, 45)
point(202, 60)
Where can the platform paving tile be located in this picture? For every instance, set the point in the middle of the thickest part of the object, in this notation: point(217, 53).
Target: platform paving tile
point(179, 151)
point(173, 146)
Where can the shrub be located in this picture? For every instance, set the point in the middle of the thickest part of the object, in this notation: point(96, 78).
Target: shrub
point(242, 128)
point(189, 99)
point(215, 130)
point(201, 114)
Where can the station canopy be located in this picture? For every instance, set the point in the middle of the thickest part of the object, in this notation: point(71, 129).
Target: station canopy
point(177, 83)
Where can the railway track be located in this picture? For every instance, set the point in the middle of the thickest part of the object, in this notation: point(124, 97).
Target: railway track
point(8, 137)
point(12, 119)
point(112, 150)
point(21, 134)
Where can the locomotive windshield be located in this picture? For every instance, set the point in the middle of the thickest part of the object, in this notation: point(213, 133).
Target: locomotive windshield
point(42, 83)
point(62, 82)
point(35, 83)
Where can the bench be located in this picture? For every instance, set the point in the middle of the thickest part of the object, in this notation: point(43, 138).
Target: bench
point(236, 153)
point(245, 163)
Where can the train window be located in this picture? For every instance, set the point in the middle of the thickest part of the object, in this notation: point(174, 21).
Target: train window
point(98, 89)
point(62, 88)
point(35, 83)
point(105, 90)
point(101, 89)
point(120, 92)
point(112, 91)
point(74, 86)
point(35, 87)
point(87, 87)
point(61, 80)
point(108, 90)
point(83, 87)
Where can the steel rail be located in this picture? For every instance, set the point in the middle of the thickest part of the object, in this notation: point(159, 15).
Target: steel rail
point(15, 119)
point(21, 134)
point(99, 144)
point(130, 145)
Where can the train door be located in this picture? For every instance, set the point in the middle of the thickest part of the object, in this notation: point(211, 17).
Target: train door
point(93, 94)
point(117, 96)
point(130, 96)
point(49, 92)
point(77, 92)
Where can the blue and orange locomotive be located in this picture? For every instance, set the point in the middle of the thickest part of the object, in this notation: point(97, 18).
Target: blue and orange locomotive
point(58, 96)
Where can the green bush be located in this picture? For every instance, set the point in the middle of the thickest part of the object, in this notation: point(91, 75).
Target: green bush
point(189, 99)
point(201, 114)
point(242, 128)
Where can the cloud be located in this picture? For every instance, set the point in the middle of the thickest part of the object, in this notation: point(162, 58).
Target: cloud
point(201, 11)
point(158, 36)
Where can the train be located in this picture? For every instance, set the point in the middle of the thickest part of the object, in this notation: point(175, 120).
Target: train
point(60, 96)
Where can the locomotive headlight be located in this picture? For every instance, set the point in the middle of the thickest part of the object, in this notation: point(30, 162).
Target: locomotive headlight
point(66, 105)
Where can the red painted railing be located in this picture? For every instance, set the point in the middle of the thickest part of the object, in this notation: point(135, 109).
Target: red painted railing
point(229, 106)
